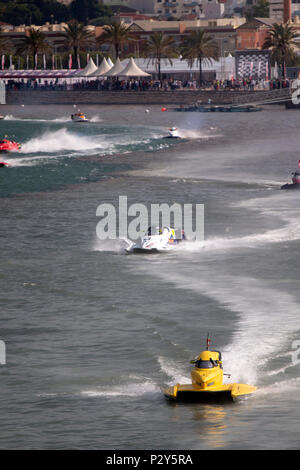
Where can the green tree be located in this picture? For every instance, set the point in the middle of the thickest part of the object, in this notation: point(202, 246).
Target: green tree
point(6, 46)
point(101, 20)
point(85, 10)
point(200, 47)
point(260, 10)
point(54, 11)
point(77, 37)
point(160, 47)
point(280, 40)
point(117, 35)
point(17, 14)
point(33, 43)
point(33, 11)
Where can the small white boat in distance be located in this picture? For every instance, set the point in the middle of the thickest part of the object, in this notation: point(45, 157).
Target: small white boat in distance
point(173, 133)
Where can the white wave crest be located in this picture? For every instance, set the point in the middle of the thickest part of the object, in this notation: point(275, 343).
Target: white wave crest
point(63, 140)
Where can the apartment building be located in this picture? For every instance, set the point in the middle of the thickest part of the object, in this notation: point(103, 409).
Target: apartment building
point(189, 8)
point(174, 8)
point(222, 30)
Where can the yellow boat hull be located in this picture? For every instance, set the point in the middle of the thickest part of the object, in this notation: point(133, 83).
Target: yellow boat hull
point(222, 393)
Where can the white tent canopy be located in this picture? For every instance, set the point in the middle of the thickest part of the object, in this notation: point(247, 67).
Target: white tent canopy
point(110, 62)
point(224, 67)
point(132, 70)
point(104, 67)
point(115, 70)
point(88, 69)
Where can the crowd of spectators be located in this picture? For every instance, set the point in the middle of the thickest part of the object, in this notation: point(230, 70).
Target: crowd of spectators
point(115, 84)
point(250, 84)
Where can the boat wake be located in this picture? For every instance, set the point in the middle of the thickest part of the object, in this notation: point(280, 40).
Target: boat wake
point(290, 232)
point(10, 117)
point(280, 207)
point(113, 246)
point(258, 304)
point(251, 349)
point(198, 134)
point(279, 388)
point(135, 388)
point(173, 370)
point(64, 140)
point(69, 143)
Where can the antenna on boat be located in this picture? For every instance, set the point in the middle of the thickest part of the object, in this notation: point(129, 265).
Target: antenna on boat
point(207, 341)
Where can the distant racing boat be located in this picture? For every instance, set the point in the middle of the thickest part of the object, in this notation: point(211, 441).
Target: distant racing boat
point(9, 146)
point(79, 117)
point(173, 133)
point(295, 184)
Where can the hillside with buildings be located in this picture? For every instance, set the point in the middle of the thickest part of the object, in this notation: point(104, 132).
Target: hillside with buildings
point(242, 38)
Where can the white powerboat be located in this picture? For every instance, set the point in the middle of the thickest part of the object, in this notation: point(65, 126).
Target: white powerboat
point(156, 240)
point(173, 133)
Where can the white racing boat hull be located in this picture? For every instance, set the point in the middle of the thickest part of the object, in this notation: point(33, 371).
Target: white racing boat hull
point(157, 243)
point(140, 249)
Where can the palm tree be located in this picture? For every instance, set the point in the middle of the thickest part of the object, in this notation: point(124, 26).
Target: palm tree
point(199, 46)
point(280, 40)
point(77, 37)
point(34, 42)
point(6, 46)
point(158, 47)
point(115, 34)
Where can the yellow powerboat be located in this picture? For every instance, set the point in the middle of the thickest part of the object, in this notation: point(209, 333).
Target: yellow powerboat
point(207, 382)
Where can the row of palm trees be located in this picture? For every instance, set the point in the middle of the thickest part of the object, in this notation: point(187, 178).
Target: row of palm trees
point(197, 46)
point(75, 34)
point(201, 47)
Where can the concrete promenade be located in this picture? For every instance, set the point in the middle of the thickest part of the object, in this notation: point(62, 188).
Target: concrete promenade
point(178, 97)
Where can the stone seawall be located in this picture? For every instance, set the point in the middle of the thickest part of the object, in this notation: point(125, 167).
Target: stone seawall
point(178, 97)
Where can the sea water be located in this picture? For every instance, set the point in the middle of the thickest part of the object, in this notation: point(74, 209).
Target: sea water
point(92, 334)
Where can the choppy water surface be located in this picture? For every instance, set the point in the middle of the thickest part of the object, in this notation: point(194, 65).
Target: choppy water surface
point(92, 334)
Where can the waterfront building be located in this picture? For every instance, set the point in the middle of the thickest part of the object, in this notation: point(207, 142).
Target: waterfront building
point(196, 8)
point(284, 10)
point(175, 8)
point(222, 30)
point(253, 33)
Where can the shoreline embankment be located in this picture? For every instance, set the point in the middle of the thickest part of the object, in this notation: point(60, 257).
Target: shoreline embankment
point(150, 97)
